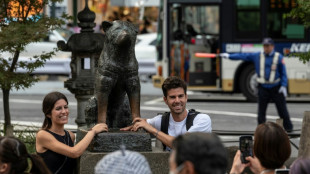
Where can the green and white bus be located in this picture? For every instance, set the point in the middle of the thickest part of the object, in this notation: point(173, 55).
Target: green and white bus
point(188, 27)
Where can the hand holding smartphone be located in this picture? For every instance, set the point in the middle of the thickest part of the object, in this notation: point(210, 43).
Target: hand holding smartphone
point(246, 147)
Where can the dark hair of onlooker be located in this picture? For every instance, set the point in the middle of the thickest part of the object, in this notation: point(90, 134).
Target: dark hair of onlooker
point(14, 152)
point(271, 145)
point(204, 150)
point(300, 166)
point(173, 82)
point(47, 106)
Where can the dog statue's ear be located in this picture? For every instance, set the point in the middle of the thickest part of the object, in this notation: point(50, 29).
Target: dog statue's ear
point(106, 25)
point(136, 29)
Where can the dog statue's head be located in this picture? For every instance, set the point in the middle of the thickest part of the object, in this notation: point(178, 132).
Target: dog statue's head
point(120, 33)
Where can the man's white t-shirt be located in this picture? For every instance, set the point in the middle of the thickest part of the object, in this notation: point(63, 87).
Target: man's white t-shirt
point(201, 123)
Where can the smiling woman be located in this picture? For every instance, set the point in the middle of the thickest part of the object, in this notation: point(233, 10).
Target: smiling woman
point(55, 144)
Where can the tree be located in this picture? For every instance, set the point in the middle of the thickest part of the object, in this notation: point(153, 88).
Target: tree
point(22, 22)
point(302, 12)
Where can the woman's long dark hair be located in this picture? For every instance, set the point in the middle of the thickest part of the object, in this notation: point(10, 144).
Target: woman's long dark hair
point(47, 106)
point(14, 152)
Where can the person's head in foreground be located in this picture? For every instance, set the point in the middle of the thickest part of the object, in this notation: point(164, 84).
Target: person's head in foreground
point(300, 166)
point(271, 145)
point(123, 162)
point(14, 158)
point(198, 153)
point(271, 149)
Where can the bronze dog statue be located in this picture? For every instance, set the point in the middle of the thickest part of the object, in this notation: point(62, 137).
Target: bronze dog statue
point(117, 70)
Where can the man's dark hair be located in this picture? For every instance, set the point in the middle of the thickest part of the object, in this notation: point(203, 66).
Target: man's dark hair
point(204, 150)
point(173, 82)
point(271, 146)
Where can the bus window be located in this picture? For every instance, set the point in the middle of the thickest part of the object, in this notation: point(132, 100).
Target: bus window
point(193, 28)
point(280, 27)
point(202, 20)
point(248, 19)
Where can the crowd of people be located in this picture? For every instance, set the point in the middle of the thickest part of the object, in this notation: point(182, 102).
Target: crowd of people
point(193, 153)
point(185, 133)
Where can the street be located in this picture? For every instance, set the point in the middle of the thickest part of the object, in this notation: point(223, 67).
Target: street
point(228, 112)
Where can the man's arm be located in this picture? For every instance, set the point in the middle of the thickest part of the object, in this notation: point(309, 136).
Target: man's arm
point(161, 136)
point(241, 56)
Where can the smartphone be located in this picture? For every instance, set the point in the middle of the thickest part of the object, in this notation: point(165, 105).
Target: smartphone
point(282, 171)
point(246, 147)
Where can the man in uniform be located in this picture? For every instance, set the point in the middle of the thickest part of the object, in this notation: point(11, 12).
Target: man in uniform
point(271, 78)
point(165, 127)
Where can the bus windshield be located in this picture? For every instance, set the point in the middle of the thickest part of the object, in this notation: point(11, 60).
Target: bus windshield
point(195, 20)
point(202, 19)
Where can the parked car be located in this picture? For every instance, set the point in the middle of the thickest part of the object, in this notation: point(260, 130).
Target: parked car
point(145, 50)
point(58, 64)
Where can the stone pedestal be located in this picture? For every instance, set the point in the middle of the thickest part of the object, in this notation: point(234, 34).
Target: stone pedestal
point(157, 159)
point(112, 140)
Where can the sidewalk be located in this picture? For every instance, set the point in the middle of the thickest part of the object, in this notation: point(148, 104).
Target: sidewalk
point(44, 87)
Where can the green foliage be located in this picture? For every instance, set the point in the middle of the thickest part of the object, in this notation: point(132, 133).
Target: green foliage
point(27, 134)
point(22, 22)
point(302, 12)
point(304, 57)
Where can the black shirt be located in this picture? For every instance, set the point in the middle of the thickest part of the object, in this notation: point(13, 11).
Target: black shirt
point(57, 163)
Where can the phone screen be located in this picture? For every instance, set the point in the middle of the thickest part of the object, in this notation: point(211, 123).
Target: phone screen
point(246, 145)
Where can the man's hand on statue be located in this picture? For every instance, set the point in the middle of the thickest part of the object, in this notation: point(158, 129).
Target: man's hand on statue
point(128, 128)
point(100, 128)
point(141, 123)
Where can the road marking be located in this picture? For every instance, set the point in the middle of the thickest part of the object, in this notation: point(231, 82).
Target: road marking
point(154, 101)
point(33, 101)
point(161, 109)
point(36, 124)
point(236, 114)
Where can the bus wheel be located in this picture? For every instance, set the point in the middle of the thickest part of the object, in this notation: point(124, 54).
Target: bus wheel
point(248, 84)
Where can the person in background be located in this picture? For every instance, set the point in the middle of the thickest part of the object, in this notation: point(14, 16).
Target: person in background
point(123, 162)
point(176, 122)
point(146, 26)
point(198, 153)
point(271, 149)
point(300, 166)
point(55, 144)
point(14, 158)
point(271, 78)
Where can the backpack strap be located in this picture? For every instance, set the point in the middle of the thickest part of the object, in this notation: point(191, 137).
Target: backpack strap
point(165, 122)
point(190, 118)
point(164, 125)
